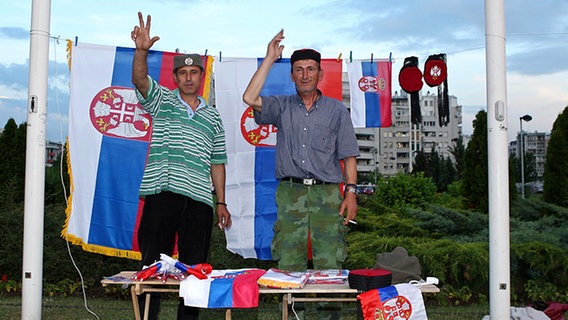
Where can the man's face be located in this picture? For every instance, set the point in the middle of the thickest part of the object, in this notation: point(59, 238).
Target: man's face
point(188, 79)
point(306, 74)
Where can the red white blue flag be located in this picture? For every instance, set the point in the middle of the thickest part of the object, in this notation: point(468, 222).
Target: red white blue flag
point(371, 94)
point(222, 289)
point(399, 302)
point(251, 181)
point(108, 138)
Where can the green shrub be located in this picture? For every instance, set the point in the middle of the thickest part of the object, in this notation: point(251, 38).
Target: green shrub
point(540, 291)
point(453, 197)
point(9, 285)
point(402, 191)
point(540, 263)
point(532, 210)
point(443, 221)
point(387, 223)
point(11, 238)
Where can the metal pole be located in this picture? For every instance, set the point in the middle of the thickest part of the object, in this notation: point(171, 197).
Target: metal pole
point(527, 118)
point(411, 130)
point(378, 155)
point(32, 262)
point(522, 160)
point(411, 147)
point(498, 172)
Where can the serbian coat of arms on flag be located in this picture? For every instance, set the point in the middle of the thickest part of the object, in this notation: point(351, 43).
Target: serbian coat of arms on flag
point(109, 136)
point(398, 302)
point(251, 182)
point(371, 94)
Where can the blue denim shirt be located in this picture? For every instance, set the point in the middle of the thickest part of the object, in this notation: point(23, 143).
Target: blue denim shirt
point(309, 144)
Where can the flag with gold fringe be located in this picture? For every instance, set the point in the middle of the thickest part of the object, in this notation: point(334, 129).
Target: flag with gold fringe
point(108, 139)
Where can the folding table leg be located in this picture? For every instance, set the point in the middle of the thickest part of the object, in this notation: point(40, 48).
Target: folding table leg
point(135, 304)
point(285, 306)
point(147, 306)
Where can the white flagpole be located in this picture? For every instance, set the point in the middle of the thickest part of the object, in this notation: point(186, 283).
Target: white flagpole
point(32, 266)
point(498, 166)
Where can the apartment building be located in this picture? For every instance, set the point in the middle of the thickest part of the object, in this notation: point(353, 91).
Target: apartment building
point(534, 143)
point(392, 150)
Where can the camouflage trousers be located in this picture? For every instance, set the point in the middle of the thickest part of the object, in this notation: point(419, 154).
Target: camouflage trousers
point(313, 209)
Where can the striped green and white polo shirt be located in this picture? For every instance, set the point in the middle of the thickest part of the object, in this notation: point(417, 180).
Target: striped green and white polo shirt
point(182, 149)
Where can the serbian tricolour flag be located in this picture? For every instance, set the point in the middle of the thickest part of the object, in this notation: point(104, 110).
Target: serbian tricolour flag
point(400, 301)
point(370, 90)
point(108, 137)
point(222, 289)
point(251, 182)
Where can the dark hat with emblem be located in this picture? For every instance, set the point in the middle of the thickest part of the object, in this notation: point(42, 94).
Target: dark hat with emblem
point(192, 59)
point(435, 70)
point(304, 54)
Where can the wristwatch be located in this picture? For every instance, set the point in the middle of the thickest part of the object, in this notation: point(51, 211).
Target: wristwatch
point(351, 189)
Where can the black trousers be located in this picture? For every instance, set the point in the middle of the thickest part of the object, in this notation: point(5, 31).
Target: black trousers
point(165, 216)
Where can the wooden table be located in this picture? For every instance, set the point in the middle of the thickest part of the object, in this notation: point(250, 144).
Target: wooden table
point(140, 287)
point(323, 290)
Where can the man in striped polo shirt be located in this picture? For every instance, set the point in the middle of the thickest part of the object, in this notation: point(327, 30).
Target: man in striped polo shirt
point(187, 153)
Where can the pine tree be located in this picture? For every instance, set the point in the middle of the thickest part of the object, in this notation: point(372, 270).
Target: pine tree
point(458, 151)
point(12, 163)
point(555, 184)
point(474, 175)
point(420, 162)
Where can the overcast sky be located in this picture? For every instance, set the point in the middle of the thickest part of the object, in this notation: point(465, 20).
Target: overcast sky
point(537, 43)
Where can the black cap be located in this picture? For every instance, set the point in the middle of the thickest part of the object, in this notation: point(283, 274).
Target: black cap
point(304, 54)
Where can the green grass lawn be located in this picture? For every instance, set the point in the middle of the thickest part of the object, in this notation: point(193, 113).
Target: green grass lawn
point(73, 308)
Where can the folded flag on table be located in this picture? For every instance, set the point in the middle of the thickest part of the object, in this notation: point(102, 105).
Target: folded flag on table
point(327, 276)
point(400, 301)
point(371, 95)
point(222, 289)
point(251, 182)
point(109, 135)
point(275, 278)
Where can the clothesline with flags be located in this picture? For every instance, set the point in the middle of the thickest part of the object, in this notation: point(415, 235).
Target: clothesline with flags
point(109, 136)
